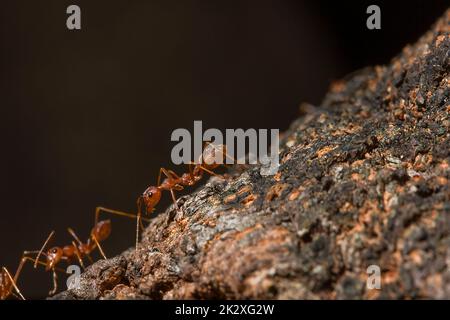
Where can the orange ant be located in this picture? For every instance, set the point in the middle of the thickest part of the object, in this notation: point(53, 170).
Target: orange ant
point(77, 250)
point(206, 163)
point(8, 283)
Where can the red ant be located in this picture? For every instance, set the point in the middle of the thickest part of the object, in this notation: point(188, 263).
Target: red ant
point(77, 250)
point(206, 163)
point(8, 283)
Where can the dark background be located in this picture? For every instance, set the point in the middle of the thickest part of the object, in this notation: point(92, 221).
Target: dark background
point(86, 116)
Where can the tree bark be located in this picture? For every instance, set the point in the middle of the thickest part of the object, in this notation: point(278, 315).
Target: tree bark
point(363, 180)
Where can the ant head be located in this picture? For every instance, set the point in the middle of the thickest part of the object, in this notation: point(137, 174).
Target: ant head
point(54, 255)
point(151, 197)
point(101, 230)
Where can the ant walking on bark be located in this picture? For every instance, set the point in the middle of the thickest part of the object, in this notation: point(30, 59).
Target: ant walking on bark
point(77, 250)
point(207, 163)
point(9, 283)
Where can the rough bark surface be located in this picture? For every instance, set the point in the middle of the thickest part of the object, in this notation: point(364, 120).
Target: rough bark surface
point(364, 180)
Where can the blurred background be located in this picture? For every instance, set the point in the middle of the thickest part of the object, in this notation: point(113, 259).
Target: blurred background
point(86, 116)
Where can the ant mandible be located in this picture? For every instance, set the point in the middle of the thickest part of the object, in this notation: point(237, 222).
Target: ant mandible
point(206, 163)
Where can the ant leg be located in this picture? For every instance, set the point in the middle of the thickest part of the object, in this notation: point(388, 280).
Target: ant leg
point(41, 263)
point(229, 157)
point(173, 174)
point(55, 284)
point(43, 247)
point(24, 259)
point(78, 254)
point(98, 210)
point(99, 247)
point(16, 296)
point(74, 235)
point(168, 173)
point(13, 283)
point(141, 225)
point(175, 200)
point(225, 156)
point(161, 170)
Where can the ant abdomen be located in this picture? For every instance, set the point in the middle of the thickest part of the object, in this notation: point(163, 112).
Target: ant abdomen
point(102, 230)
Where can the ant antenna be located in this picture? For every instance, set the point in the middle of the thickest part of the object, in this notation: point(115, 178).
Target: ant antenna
point(43, 247)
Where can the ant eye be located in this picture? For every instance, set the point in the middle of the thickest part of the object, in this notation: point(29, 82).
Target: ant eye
point(54, 251)
point(150, 194)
